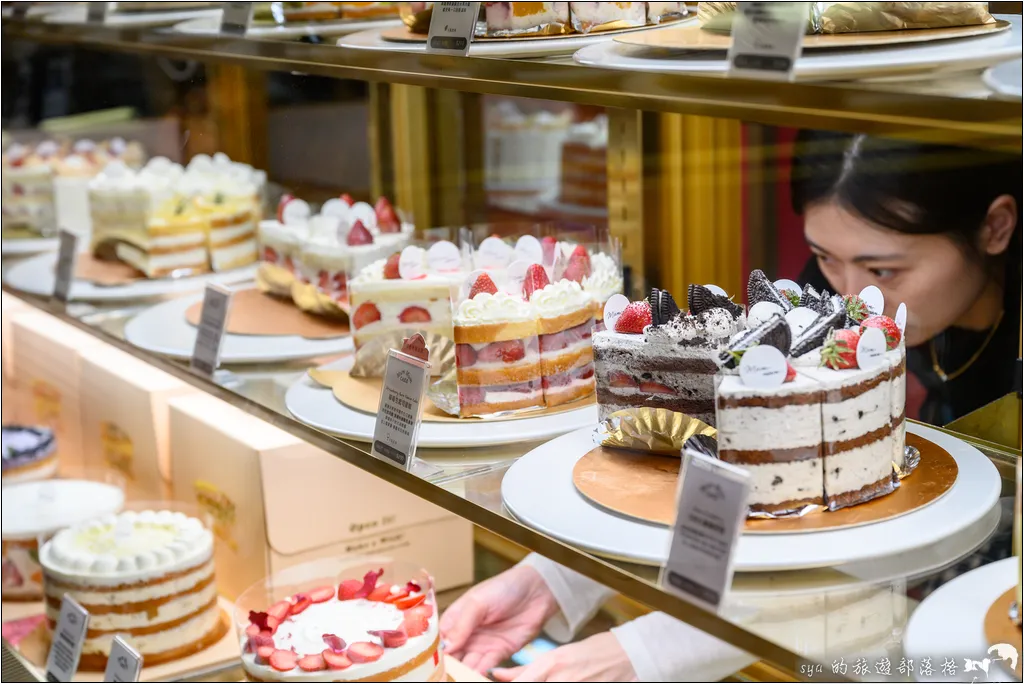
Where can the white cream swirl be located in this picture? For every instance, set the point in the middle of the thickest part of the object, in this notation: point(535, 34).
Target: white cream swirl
point(493, 308)
point(560, 298)
point(370, 273)
point(605, 277)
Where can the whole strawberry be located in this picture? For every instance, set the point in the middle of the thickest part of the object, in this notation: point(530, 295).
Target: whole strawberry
point(790, 372)
point(536, 279)
point(635, 317)
point(840, 349)
point(887, 326)
point(856, 309)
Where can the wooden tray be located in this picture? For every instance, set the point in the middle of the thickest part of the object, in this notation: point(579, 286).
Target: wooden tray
point(402, 34)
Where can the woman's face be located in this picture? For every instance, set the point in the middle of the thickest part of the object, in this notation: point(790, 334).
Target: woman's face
point(930, 273)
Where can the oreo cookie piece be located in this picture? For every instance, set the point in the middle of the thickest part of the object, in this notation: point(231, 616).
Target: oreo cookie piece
point(815, 334)
point(705, 444)
point(760, 289)
point(663, 307)
point(809, 297)
point(774, 332)
point(702, 299)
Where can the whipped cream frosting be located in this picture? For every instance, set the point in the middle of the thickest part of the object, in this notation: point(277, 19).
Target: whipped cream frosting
point(487, 308)
point(605, 277)
point(559, 298)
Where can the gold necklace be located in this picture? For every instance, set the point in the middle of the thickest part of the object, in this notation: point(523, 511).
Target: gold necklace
point(946, 377)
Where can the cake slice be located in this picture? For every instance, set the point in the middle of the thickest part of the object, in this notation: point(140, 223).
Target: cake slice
point(232, 232)
point(504, 19)
point(174, 242)
point(566, 322)
point(605, 16)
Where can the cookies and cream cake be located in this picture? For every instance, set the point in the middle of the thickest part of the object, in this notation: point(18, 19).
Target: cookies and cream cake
point(147, 576)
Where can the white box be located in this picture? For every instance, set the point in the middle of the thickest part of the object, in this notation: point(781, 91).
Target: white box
point(10, 308)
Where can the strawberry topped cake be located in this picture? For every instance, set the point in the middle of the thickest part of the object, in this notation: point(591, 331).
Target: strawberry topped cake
point(360, 630)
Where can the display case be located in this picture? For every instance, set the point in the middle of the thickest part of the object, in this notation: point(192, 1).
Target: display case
point(348, 189)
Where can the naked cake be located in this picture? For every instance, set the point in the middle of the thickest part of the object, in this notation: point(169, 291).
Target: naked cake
point(566, 321)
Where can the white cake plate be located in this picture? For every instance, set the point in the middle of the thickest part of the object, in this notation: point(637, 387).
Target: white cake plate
point(1005, 79)
point(77, 15)
point(538, 490)
point(316, 406)
point(163, 329)
point(22, 247)
point(36, 276)
point(209, 26)
point(961, 54)
point(950, 623)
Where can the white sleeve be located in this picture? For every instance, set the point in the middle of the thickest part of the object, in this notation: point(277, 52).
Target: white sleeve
point(664, 649)
point(578, 597)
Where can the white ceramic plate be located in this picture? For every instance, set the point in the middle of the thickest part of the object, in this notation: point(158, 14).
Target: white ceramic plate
point(163, 329)
point(538, 490)
point(35, 276)
point(77, 15)
point(208, 26)
point(316, 406)
point(950, 623)
point(28, 246)
point(960, 54)
point(516, 49)
point(1005, 79)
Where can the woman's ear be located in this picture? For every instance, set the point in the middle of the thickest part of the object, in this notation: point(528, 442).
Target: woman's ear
point(1000, 222)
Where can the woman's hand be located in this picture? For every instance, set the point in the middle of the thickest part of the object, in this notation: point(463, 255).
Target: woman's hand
point(497, 617)
point(597, 659)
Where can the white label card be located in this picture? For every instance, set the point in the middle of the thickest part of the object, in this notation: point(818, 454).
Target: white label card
point(96, 12)
point(235, 18)
point(763, 367)
point(767, 38)
point(871, 349)
point(528, 249)
point(444, 257)
point(451, 27)
point(412, 263)
point(613, 309)
point(494, 253)
point(901, 317)
point(715, 289)
point(124, 663)
point(400, 412)
point(65, 271)
point(873, 299)
point(68, 637)
point(210, 336)
point(711, 508)
point(786, 285)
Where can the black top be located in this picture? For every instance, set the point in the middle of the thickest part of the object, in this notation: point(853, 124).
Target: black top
point(989, 378)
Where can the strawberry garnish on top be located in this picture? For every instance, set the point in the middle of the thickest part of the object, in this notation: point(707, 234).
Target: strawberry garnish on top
point(285, 199)
point(635, 317)
point(887, 326)
point(359, 235)
point(840, 349)
point(483, 283)
point(347, 199)
point(579, 265)
point(790, 372)
point(547, 245)
point(391, 267)
point(387, 219)
point(856, 309)
point(536, 279)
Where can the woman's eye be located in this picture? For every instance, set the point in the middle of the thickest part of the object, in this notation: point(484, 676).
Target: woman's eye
point(882, 273)
point(823, 259)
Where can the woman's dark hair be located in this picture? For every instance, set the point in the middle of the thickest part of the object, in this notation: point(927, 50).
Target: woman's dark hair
point(909, 187)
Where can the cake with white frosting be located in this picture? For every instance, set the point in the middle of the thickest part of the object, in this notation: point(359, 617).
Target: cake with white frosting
point(147, 576)
point(362, 630)
point(508, 19)
point(605, 280)
point(26, 192)
point(566, 321)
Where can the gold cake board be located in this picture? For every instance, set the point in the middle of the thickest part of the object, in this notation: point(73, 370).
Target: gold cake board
point(257, 313)
point(999, 628)
point(363, 394)
point(643, 486)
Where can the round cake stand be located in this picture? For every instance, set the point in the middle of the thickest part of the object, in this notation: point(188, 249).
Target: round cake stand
point(538, 490)
point(316, 406)
point(163, 329)
point(950, 624)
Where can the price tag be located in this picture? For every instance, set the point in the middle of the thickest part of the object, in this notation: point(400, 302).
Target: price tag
point(96, 12)
point(711, 507)
point(451, 27)
point(235, 18)
point(767, 38)
point(212, 320)
point(68, 637)
point(65, 271)
point(399, 414)
point(124, 663)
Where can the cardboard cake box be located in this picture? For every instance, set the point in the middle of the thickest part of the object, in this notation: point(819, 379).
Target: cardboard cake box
point(125, 420)
point(10, 308)
point(47, 365)
point(276, 501)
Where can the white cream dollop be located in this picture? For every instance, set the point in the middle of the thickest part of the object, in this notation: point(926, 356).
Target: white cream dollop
point(493, 308)
point(560, 298)
point(605, 277)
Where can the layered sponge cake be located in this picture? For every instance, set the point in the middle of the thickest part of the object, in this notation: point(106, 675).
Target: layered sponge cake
point(566, 322)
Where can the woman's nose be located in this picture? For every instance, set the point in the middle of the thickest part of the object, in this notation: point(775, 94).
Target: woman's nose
point(855, 281)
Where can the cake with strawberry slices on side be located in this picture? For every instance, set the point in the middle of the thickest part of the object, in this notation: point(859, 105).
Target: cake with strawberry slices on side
point(363, 630)
point(497, 352)
point(603, 281)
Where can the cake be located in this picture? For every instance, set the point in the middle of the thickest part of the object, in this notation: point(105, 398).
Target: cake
point(604, 16)
point(173, 243)
point(523, 152)
point(604, 280)
point(28, 454)
point(26, 194)
point(231, 239)
point(507, 19)
point(360, 629)
point(565, 323)
point(33, 511)
point(280, 241)
point(658, 12)
point(368, 10)
point(897, 359)
point(146, 576)
point(584, 177)
point(497, 353)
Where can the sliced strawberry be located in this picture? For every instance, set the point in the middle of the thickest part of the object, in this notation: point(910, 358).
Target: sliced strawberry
point(334, 643)
point(380, 593)
point(364, 652)
point(483, 284)
point(252, 630)
point(348, 589)
point(359, 235)
point(391, 267)
point(312, 663)
point(369, 583)
point(414, 314)
point(536, 279)
point(340, 281)
point(635, 317)
point(410, 602)
point(261, 640)
point(366, 314)
point(387, 219)
point(280, 609)
point(264, 652)
point(270, 254)
point(424, 609)
point(285, 199)
point(547, 245)
point(323, 280)
point(336, 661)
point(415, 624)
point(301, 603)
point(508, 351)
point(265, 621)
point(587, 373)
point(392, 638)
point(396, 597)
point(790, 372)
point(347, 199)
point(651, 387)
point(465, 355)
point(578, 269)
point(321, 594)
point(470, 396)
point(282, 661)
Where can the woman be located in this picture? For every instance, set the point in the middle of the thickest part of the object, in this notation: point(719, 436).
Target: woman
point(936, 227)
